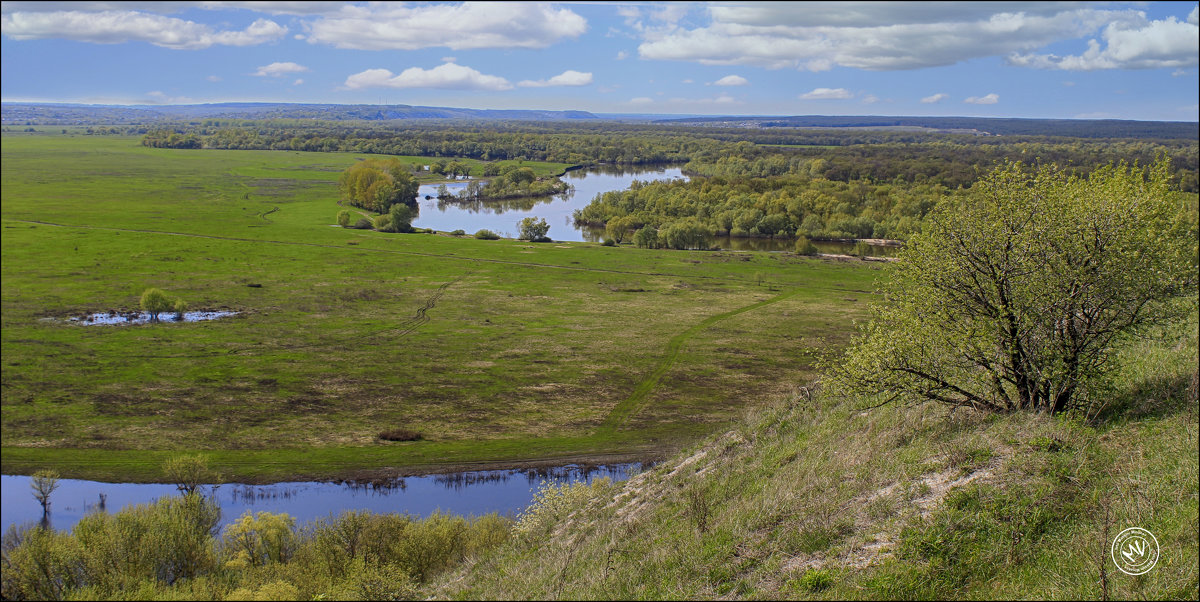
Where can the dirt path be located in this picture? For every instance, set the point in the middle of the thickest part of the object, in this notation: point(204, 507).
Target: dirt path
point(629, 408)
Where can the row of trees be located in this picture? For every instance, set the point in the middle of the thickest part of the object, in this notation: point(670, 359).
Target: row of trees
point(919, 157)
point(781, 206)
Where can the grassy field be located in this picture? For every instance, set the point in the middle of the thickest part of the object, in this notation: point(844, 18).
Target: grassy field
point(494, 351)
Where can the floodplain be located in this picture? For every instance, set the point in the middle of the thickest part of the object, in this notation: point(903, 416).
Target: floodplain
point(496, 353)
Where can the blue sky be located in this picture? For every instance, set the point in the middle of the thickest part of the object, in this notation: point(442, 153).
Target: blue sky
point(1119, 60)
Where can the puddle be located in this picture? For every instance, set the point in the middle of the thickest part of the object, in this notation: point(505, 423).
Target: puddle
point(133, 317)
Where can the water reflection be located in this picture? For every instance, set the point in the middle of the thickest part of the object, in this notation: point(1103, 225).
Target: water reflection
point(465, 493)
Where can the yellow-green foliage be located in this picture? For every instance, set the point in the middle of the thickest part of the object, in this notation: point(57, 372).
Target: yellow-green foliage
point(377, 184)
point(553, 501)
point(167, 550)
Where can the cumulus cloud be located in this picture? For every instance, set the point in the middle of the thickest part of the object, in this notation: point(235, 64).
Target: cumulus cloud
point(990, 99)
point(731, 80)
point(447, 76)
point(870, 99)
point(279, 69)
point(116, 27)
point(903, 35)
point(827, 94)
point(566, 78)
point(1129, 44)
point(939, 97)
point(298, 82)
point(387, 26)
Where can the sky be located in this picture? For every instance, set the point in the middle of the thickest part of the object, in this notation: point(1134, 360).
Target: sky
point(1074, 60)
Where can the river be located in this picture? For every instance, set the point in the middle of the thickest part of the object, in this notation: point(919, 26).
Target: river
point(464, 493)
point(501, 217)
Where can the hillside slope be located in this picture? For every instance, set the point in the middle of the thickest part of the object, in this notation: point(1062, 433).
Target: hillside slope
point(817, 497)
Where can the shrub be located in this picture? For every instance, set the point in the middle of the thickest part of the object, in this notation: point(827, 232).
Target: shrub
point(363, 224)
point(486, 234)
point(816, 580)
point(180, 308)
point(458, 233)
point(259, 539)
point(155, 302)
point(804, 246)
point(343, 218)
point(400, 434)
point(382, 222)
point(533, 229)
point(608, 242)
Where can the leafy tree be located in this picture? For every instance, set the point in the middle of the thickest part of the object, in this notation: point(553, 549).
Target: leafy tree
point(377, 184)
point(189, 472)
point(155, 302)
point(402, 217)
point(343, 218)
point(44, 482)
point(805, 246)
point(646, 238)
point(1016, 297)
point(687, 233)
point(533, 229)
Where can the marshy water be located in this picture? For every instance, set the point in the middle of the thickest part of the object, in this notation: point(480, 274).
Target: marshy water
point(117, 318)
point(463, 493)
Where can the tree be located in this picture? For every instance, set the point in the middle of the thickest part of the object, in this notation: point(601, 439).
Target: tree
point(1016, 296)
point(533, 229)
point(343, 218)
point(44, 482)
point(402, 216)
point(189, 473)
point(154, 302)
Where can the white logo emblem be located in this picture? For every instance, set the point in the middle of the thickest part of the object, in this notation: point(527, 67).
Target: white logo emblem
point(1135, 551)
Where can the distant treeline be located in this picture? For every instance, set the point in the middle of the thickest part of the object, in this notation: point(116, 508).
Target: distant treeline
point(951, 160)
point(1075, 128)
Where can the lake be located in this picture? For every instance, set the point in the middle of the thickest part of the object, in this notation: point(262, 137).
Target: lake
point(502, 216)
point(463, 493)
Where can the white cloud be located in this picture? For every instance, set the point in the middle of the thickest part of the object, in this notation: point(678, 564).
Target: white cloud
point(298, 82)
point(213, 78)
point(722, 100)
point(990, 99)
point(279, 69)
point(1129, 44)
point(828, 94)
point(870, 99)
point(622, 55)
point(159, 97)
point(912, 35)
point(388, 26)
point(566, 78)
point(641, 100)
point(731, 80)
point(448, 76)
point(116, 27)
point(939, 97)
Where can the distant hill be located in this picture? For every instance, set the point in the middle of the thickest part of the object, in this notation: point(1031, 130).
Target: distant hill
point(984, 126)
point(77, 114)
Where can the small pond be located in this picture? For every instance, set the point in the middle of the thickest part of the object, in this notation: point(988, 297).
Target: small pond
point(464, 493)
point(133, 317)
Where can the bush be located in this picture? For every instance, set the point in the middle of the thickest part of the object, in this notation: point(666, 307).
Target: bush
point(804, 246)
point(343, 218)
point(533, 229)
point(486, 234)
point(458, 233)
point(382, 222)
point(155, 302)
point(608, 242)
point(180, 308)
point(400, 434)
point(363, 224)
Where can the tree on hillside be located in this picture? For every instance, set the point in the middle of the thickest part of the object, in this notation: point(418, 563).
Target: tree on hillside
point(1016, 297)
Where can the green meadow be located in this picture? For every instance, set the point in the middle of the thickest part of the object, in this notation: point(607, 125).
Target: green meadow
point(495, 352)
